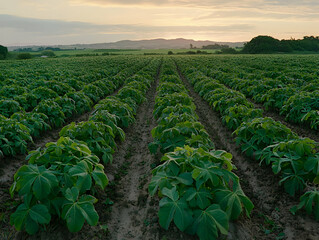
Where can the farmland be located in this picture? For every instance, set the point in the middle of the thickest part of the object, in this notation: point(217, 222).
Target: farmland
point(160, 147)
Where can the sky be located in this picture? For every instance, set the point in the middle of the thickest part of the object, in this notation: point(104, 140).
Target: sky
point(54, 22)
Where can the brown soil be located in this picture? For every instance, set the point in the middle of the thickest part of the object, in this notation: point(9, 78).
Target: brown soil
point(271, 217)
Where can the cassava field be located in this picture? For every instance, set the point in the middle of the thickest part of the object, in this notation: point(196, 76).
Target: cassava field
point(160, 147)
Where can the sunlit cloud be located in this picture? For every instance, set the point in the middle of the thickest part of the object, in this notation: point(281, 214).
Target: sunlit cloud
point(41, 28)
point(92, 21)
point(259, 15)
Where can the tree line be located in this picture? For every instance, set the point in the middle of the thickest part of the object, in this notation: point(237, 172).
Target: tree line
point(268, 44)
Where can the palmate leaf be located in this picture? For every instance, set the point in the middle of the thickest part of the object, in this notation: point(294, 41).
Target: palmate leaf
point(82, 171)
point(99, 176)
point(34, 179)
point(159, 181)
point(171, 207)
point(310, 201)
point(213, 175)
point(209, 221)
point(29, 218)
point(76, 211)
point(233, 202)
point(293, 182)
point(198, 197)
point(203, 175)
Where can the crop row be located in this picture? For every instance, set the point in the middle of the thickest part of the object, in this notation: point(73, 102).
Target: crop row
point(195, 182)
point(296, 159)
point(295, 96)
point(47, 107)
point(60, 180)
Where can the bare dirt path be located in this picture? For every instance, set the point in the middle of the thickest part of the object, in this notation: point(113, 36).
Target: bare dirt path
point(131, 172)
point(270, 218)
point(134, 213)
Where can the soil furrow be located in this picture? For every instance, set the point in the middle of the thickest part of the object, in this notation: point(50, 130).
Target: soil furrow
point(271, 217)
point(131, 173)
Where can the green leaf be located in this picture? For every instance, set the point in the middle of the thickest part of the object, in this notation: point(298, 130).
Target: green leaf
point(36, 179)
point(209, 221)
point(159, 181)
point(99, 176)
point(153, 146)
point(233, 202)
point(82, 171)
point(76, 211)
point(293, 183)
point(29, 218)
point(310, 200)
point(171, 207)
point(200, 197)
point(202, 175)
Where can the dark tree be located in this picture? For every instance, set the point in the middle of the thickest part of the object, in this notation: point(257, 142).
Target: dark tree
point(24, 56)
point(48, 53)
point(262, 44)
point(3, 52)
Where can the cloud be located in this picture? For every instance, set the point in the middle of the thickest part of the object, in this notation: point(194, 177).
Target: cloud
point(58, 27)
point(169, 3)
point(259, 15)
point(202, 3)
point(13, 27)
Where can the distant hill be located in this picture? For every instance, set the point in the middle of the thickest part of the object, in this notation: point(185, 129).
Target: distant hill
point(160, 43)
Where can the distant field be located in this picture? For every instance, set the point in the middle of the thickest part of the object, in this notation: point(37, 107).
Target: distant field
point(119, 52)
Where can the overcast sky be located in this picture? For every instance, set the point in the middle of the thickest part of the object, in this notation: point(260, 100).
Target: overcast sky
point(27, 22)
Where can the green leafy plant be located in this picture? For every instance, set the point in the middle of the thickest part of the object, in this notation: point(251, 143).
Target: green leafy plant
point(28, 101)
point(115, 106)
point(67, 106)
point(51, 109)
point(29, 217)
point(9, 107)
point(55, 182)
point(12, 91)
point(172, 137)
point(309, 201)
point(43, 93)
point(296, 159)
point(109, 119)
point(93, 92)
point(59, 87)
point(312, 117)
point(98, 136)
point(234, 116)
point(132, 93)
point(255, 135)
point(300, 104)
point(36, 122)
point(202, 178)
point(78, 209)
point(14, 137)
point(171, 100)
point(82, 102)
